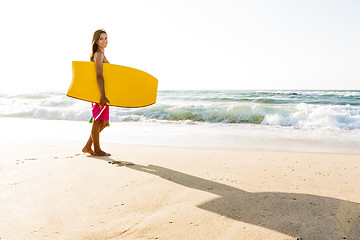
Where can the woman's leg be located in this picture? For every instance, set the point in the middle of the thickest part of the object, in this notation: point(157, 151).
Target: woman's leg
point(95, 132)
point(87, 148)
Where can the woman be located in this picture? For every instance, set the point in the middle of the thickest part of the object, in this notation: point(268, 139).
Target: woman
point(100, 112)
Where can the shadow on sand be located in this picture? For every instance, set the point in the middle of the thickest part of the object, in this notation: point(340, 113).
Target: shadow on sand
point(303, 216)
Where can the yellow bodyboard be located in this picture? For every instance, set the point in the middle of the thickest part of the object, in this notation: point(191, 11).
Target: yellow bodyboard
point(124, 86)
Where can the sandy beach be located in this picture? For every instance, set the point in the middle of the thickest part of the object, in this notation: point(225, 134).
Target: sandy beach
point(229, 120)
point(50, 190)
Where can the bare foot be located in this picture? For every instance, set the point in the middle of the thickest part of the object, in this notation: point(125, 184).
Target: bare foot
point(101, 153)
point(88, 150)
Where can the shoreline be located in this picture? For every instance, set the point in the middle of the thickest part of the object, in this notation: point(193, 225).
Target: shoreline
point(183, 135)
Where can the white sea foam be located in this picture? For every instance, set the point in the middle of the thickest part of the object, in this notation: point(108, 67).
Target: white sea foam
point(311, 116)
point(298, 109)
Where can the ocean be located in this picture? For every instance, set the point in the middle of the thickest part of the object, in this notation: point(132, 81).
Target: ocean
point(324, 117)
point(298, 109)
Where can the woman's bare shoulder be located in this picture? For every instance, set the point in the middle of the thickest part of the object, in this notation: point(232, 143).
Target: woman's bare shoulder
point(98, 56)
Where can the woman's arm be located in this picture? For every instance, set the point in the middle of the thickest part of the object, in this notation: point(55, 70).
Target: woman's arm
point(99, 77)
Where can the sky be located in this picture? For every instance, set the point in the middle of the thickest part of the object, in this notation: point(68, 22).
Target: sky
point(186, 44)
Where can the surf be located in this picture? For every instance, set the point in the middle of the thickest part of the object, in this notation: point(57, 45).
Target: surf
point(298, 109)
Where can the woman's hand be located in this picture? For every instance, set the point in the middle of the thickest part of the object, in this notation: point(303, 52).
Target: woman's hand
point(103, 101)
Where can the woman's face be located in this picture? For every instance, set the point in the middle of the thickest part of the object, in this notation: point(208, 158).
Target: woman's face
point(103, 41)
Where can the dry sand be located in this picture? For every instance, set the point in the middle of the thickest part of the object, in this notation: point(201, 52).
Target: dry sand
point(49, 190)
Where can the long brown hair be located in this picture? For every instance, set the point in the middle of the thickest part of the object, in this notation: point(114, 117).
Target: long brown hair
point(94, 46)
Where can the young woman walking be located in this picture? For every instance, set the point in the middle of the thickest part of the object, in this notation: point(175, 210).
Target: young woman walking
point(100, 112)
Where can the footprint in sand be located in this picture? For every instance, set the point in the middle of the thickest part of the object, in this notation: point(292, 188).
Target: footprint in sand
point(26, 159)
point(78, 154)
point(119, 163)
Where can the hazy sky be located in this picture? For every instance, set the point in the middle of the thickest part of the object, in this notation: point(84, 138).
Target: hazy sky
point(186, 44)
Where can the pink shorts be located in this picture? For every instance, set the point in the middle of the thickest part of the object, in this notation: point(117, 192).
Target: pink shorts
point(100, 113)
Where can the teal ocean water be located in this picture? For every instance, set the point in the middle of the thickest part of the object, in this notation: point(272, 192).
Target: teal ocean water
point(301, 109)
